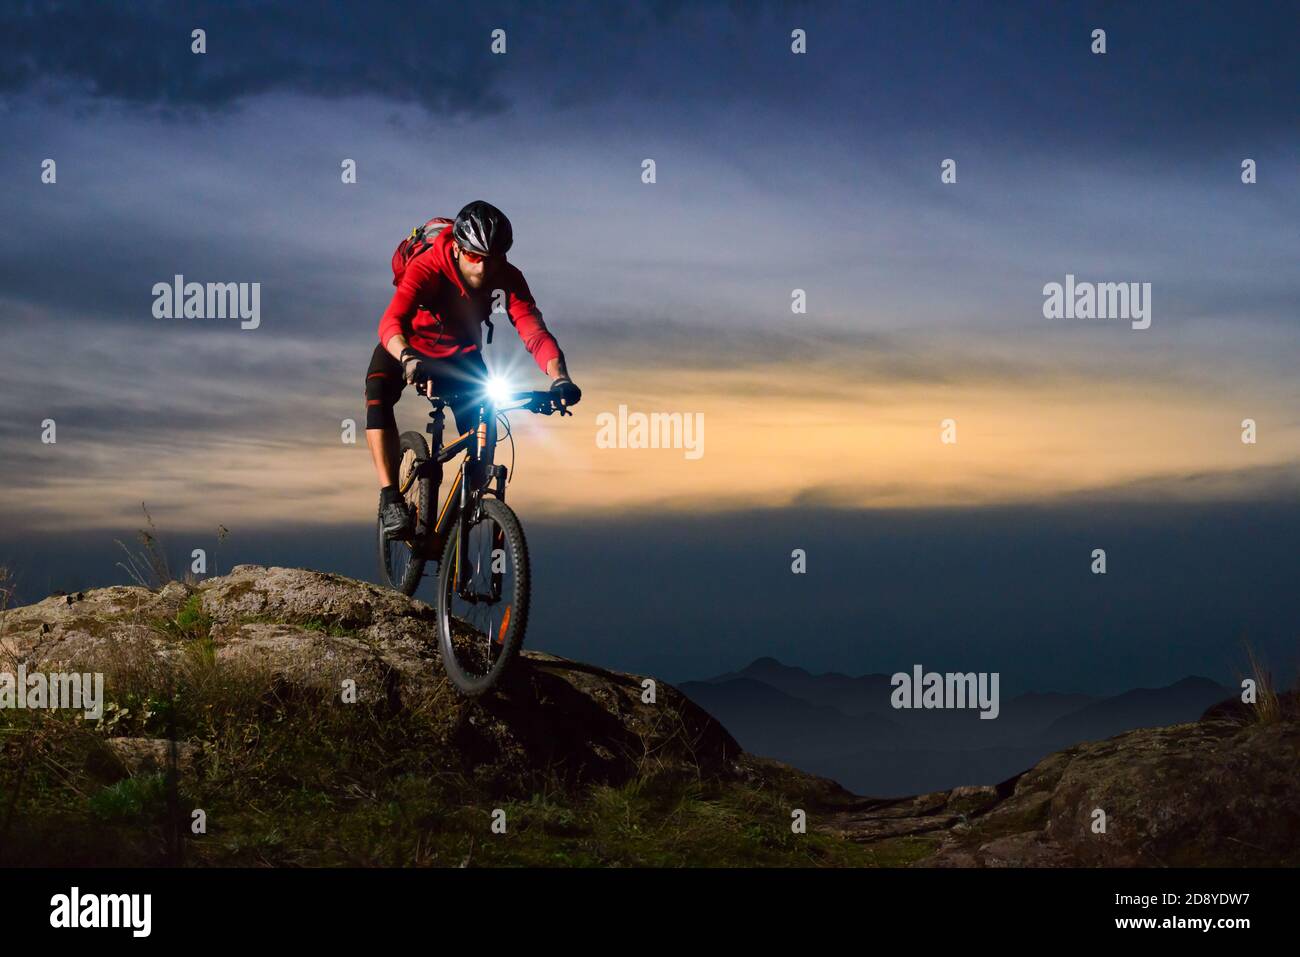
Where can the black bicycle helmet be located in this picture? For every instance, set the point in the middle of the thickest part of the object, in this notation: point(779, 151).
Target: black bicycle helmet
point(482, 228)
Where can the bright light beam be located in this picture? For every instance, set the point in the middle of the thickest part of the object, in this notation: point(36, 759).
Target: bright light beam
point(499, 389)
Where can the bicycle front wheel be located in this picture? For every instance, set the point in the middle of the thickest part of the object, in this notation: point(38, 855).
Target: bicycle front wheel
point(481, 623)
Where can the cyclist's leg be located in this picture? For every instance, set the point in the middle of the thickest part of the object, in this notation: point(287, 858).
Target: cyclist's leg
point(384, 384)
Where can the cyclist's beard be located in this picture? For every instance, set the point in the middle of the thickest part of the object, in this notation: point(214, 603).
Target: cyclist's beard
point(486, 282)
point(475, 284)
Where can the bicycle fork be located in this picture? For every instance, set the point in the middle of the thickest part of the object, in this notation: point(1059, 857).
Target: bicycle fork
point(481, 474)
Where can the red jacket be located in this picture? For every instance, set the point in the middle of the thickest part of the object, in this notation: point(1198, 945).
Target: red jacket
point(438, 317)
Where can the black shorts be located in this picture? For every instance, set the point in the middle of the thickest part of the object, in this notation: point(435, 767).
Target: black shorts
point(462, 373)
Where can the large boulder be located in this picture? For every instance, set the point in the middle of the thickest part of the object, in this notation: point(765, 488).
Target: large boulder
point(310, 632)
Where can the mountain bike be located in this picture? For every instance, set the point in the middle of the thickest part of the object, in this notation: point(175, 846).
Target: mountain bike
point(475, 538)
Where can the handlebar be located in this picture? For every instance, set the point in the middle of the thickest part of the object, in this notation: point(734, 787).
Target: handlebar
point(540, 402)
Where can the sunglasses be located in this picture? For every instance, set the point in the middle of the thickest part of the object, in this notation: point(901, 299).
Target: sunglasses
point(476, 258)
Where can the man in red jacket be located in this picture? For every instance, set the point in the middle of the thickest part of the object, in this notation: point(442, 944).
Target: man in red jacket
point(433, 329)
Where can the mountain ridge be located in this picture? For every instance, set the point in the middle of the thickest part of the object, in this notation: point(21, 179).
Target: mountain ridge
point(926, 749)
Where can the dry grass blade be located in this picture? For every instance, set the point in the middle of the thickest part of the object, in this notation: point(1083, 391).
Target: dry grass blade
point(147, 567)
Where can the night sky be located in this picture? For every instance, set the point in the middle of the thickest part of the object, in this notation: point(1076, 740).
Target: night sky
point(775, 172)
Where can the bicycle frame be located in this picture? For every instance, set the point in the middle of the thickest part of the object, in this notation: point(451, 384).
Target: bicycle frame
point(479, 444)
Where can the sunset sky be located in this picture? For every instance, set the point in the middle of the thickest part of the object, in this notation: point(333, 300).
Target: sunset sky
point(775, 172)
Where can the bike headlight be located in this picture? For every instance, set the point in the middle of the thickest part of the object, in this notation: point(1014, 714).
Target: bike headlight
point(499, 390)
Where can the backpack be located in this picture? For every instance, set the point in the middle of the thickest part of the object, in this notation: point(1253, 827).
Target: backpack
point(421, 238)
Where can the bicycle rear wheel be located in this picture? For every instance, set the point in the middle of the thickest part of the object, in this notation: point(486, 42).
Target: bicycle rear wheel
point(481, 627)
point(401, 560)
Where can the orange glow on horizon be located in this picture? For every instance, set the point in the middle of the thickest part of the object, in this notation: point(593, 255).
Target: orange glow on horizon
point(848, 443)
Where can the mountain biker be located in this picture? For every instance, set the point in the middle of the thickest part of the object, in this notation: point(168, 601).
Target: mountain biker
point(432, 329)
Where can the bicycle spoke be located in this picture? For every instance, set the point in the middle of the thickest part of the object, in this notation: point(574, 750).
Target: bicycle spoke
point(481, 609)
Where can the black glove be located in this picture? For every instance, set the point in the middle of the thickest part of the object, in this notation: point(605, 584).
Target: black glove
point(564, 390)
point(410, 360)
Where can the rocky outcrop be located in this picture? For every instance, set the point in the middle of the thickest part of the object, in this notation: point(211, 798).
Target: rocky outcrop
point(1223, 790)
point(311, 631)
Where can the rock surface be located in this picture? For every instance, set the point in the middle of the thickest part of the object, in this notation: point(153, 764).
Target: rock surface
point(313, 630)
point(1220, 791)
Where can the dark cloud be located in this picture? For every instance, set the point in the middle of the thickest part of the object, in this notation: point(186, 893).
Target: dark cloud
point(1174, 70)
point(139, 54)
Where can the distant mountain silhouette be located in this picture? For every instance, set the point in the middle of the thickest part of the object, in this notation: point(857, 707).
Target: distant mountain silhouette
point(787, 725)
point(1020, 722)
point(1180, 702)
point(854, 696)
point(867, 694)
point(845, 727)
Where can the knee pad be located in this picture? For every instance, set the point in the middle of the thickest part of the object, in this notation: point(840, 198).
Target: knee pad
point(380, 397)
